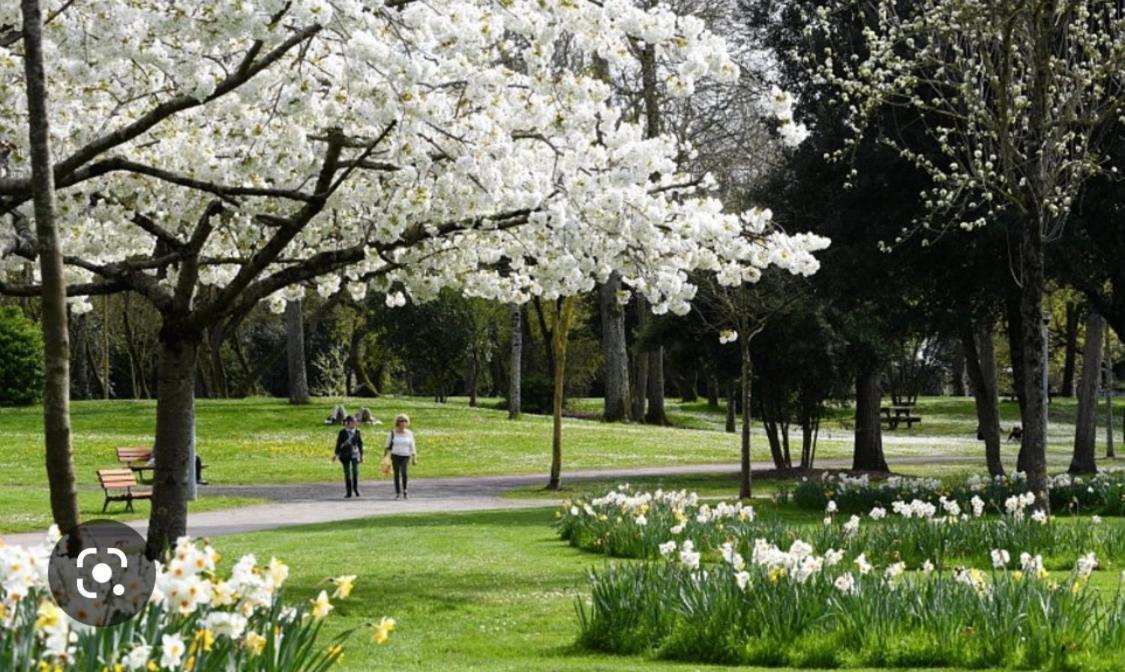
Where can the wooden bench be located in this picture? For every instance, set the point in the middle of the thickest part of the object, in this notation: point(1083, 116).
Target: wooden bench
point(137, 460)
point(119, 485)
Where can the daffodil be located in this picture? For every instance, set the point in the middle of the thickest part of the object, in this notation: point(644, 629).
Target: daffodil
point(382, 630)
point(344, 586)
point(321, 606)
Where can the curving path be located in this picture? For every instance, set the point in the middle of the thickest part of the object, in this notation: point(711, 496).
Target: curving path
point(309, 503)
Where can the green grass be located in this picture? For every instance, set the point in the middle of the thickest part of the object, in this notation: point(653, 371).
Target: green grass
point(483, 591)
point(27, 508)
point(705, 485)
point(263, 440)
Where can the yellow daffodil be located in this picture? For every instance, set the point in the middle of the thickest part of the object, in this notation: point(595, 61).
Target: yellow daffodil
point(344, 586)
point(254, 643)
point(204, 639)
point(321, 606)
point(383, 629)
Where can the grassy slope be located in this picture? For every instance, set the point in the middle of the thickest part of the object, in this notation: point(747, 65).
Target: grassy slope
point(483, 591)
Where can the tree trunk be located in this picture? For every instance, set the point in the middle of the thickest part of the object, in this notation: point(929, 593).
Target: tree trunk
point(1108, 361)
point(746, 377)
point(215, 337)
point(980, 360)
point(173, 477)
point(1015, 353)
point(655, 413)
point(515, 373)
point(561, 334)
point(615, 352)
point(712, 390)
point(80, 381)
point(732, 405)
point(957, 373)
point(689, 389)
point(868, 423)
point(56, 335)
point(471, 376)
point(295, 338)
point(1071, 349)
point(107, 389)
point(1086, 425)
point(638, 394)
point(1033, 450)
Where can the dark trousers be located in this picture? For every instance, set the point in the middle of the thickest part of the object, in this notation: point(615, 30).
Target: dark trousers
point(400, 462)
point(351, 474)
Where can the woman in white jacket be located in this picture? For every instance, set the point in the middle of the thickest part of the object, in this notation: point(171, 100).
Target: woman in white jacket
point(400, 445)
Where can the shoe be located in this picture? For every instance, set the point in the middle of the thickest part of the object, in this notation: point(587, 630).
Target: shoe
point(348, 496)
point(357, 493)
point(396, 496)
point(404, 495)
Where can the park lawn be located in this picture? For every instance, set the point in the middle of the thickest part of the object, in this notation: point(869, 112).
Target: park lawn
point(266, 440)
point(481, 591)
point(717, 485)
point(27, 508)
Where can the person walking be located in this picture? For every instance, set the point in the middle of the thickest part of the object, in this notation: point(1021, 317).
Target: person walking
point(349, 450)
point(401, 447)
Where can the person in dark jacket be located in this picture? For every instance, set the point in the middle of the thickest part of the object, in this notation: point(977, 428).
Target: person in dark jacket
point(349, 450)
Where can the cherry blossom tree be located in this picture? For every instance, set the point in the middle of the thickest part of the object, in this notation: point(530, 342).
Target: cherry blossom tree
point(1007, 106)
point(220, 154)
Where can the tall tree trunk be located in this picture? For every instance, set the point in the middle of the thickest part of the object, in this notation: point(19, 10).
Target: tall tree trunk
point(1086, 425)
point(615, 352)
point(655, 413)
point(1034, 350)
point(173, 477)
point(56, 335)
point(471, 375)
point(107, 389)
point(980, 361)
point(1015, 353)
point(868, 423)
point(745, 377)
point(215, 336)
point(957, 372)
point(638, 394)
point(515, 373)
point(689, 388)
point(561, 334)
point(80, 381)
point(1071, 349)
point(712, 389)
point(1108, 362)
point(295, 339)
point(732, 406)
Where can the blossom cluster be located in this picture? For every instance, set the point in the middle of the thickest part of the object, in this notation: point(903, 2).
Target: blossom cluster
point(194, 618)
point(472, 156)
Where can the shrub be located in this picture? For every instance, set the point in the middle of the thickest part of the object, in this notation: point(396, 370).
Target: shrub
point(21, 359)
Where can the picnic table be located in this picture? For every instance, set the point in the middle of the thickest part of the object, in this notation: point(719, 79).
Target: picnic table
point(900, 414)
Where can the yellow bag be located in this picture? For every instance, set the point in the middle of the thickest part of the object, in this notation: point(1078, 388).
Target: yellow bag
point(385, 465)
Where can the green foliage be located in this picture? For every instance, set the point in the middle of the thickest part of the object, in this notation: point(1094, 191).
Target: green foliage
point(634, 525)
point(778, 610)
point(21, 359)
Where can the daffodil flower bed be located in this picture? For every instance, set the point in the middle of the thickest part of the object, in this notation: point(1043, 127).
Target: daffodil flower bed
point(196, 619)
point(798, 608)
point(624, 523)
point(1102, 493)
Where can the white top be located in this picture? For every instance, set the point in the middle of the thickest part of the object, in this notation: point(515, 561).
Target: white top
point(403, 443)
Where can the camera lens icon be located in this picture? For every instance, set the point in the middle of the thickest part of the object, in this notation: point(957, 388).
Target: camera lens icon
point(99, 574)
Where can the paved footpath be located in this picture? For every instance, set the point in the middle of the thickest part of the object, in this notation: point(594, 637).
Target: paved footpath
point(309, 503)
